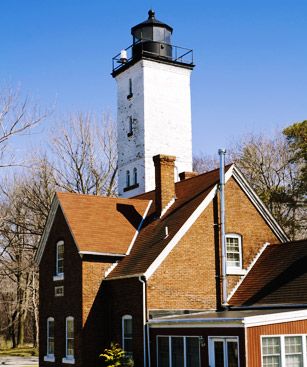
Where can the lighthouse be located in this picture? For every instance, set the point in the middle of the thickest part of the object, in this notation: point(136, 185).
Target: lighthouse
point(153, 105)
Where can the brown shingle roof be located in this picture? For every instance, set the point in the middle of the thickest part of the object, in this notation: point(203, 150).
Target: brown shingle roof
point(151, 240)
point(102, 224)
point(278, 277)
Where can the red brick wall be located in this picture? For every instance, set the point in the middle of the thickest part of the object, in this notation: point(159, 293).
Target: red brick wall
point(95, 334)
point(92, 276)
point(164, 176)
point(125, 297)
point(60, 307)
point(187, 277)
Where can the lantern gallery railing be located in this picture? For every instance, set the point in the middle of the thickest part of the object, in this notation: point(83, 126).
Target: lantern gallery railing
point(152, 49)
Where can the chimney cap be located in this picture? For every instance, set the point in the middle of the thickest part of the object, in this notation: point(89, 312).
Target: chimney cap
point(163, 158)
point(185, 175)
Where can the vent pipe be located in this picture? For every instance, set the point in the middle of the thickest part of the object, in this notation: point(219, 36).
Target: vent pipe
point(222, 153)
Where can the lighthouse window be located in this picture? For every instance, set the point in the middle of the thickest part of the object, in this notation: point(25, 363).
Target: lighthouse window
point(135, 176)
point(130, 127)
point(130, 95)
point(128, 178)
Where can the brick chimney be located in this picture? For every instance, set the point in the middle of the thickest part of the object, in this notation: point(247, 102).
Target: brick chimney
point(165, 181)
point(185, 175)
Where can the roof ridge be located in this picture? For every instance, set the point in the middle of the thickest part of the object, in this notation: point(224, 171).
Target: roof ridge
point(100, 197)
point(227, 166)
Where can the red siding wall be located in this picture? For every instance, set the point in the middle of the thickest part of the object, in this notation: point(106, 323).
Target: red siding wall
point(254, 337)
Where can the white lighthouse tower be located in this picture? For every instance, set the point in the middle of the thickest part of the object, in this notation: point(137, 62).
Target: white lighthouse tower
point(153, 105)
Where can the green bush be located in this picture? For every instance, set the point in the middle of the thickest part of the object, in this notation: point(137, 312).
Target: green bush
point(115, 357)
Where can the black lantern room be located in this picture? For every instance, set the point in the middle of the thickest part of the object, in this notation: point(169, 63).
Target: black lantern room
point(152, 40)
point(152, 37)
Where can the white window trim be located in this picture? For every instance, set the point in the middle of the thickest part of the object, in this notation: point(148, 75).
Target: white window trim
point(282, 347)
point(211, 340)
point(49, 357)
point(70, 359)
point(58, 276)
point(59, 288)
point(185, 337)
point(125, 317)
point(235, 270)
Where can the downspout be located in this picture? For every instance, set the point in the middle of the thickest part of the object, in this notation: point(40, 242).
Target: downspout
point(148, 346)
point(144, 317)
point(222, 153)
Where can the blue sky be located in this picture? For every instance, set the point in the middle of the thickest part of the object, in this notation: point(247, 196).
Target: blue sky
point(250, 56)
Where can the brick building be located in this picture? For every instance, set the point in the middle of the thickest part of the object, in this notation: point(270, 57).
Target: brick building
point(146, 271)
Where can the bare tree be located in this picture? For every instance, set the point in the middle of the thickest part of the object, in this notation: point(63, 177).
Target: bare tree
point(205, 162)
point(268, 165)
point(85, 155)
point(17, 116)
point(85, 162)
point(24, 208)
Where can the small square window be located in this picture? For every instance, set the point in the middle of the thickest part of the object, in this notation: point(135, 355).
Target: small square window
point(59, 291)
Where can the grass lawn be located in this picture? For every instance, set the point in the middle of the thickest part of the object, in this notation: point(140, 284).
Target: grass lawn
point(20, 352)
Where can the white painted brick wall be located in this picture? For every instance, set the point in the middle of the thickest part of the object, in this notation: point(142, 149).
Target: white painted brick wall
point(161, 110)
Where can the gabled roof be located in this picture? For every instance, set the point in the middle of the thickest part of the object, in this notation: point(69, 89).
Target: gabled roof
point(99, 225)
point(129, 228)
point(192, 197)
point(153, 244)
point(278, 277)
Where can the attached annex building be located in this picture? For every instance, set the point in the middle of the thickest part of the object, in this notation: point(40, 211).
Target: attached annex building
point(145, 270)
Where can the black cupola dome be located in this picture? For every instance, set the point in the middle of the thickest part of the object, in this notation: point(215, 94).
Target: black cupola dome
point(153, 37)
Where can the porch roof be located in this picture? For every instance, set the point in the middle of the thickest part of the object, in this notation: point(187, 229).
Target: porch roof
point(239, 318)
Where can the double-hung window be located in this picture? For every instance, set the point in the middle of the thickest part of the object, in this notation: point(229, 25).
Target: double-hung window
point(233, 253)
point(284, 351)
point(49, 357)
point(127, 334)
point(59, 261)
point(70, 341)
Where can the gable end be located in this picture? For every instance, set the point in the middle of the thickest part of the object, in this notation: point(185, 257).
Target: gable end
point(253, 197)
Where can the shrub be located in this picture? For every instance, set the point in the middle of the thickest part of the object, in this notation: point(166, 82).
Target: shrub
point(115, 357)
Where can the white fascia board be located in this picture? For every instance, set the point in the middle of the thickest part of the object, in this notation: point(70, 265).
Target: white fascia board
point(254, 198)
point(229, 172)
point(235, 288)
point(276, 318)
point(139, 228)
point(182, 231)
point(95, 253)
point(50, 219)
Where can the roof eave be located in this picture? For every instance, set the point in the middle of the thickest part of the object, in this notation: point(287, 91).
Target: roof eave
point(45, 235)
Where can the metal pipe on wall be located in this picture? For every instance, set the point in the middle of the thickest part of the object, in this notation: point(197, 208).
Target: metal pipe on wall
point(222, 153)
